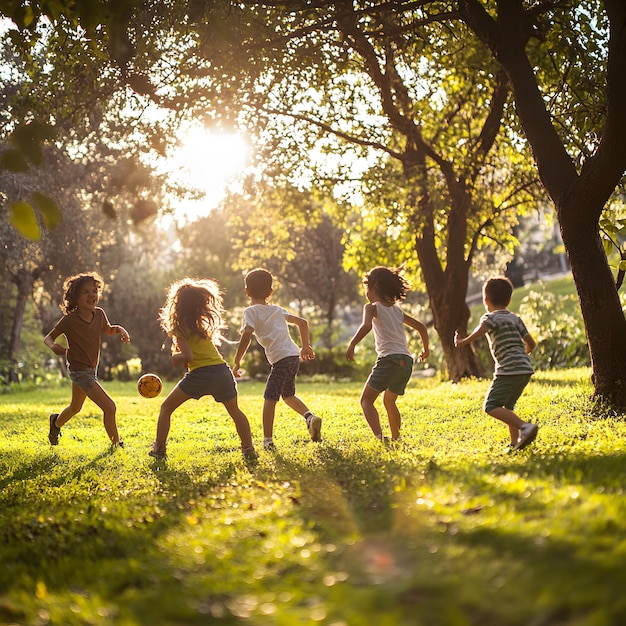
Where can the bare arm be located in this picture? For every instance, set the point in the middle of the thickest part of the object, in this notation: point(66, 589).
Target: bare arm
point(369, 311)
point(530, 343)
point(306, 352)
point(184, 354)
point(242, 347)
point(477, 333)
point(50, 341)
point(116, 329)
point(423, 331)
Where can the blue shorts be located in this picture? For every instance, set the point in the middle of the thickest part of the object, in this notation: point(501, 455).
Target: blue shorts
point(85, 379)
point(211, 380)
point(391, 372)
point(505, 391)
point(282, 379)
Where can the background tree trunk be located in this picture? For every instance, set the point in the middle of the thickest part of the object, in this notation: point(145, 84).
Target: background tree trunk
point(24, 281)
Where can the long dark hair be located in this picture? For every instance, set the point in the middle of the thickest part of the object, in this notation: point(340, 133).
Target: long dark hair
point(194, 306)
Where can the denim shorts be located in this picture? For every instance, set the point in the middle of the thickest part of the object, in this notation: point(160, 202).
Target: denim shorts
point(211, 380)
point(85, 379)
point(282, 379)
point(505, 391)
point(391, 372)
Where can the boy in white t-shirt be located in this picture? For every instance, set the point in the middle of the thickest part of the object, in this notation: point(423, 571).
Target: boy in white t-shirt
point(384, 287)
point(268, 323)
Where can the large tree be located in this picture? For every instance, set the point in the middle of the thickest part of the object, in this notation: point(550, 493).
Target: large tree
point(580, 176)
point(271, 59)
point(567, 80)
point(378, 84)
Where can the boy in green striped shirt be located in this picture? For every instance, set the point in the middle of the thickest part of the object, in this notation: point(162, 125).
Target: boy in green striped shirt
point(510, 344)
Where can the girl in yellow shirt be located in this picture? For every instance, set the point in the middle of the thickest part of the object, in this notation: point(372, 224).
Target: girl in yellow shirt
point(192, 318)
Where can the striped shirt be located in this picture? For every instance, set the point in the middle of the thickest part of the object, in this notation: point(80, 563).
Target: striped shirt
point(505, 335)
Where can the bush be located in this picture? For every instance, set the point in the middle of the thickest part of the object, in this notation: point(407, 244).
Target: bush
point(557, 326)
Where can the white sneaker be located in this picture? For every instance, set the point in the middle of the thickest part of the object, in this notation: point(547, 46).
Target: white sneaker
point(156, 452)
point(315, 427)
point(528, 435)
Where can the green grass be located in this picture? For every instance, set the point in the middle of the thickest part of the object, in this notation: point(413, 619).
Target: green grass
point(444, 529)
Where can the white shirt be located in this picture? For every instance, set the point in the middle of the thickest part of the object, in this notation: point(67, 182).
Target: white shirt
point(389, 335)
point(269, 322)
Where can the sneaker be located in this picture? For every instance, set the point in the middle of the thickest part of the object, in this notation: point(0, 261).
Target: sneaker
point(249, 453)
point(528, 434)
point(384, 440)
point(54, 432)
point(157, 453)
point(119, 444)
point(269, 446)
point(314, 424)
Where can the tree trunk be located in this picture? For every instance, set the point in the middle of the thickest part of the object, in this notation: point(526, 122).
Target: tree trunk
point(578, 198)
point(24, 282)
point(447, 290)
point(600, 307)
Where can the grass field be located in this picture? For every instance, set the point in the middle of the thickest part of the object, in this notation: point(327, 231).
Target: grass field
point(444, 529)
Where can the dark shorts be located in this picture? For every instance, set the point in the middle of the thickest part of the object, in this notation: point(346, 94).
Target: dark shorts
point(505, 391)
point(282, 379)
point(211, 380)
point(85, 379)
point(391, 372)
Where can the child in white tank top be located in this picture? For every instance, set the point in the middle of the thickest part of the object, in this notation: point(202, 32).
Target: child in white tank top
point(394, 365)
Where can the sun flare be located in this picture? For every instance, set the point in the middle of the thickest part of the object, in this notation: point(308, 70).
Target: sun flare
point(207, 160)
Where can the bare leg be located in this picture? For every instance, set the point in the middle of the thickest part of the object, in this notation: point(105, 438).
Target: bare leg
point(515, 434)
point(269, 410)
point(293, 402)
point(175, 398)
point(508, 417)
point(313, 422)
point(368, 397)
point(241, 422)
point(74, 407)
point(102, 399)
point(393, 413)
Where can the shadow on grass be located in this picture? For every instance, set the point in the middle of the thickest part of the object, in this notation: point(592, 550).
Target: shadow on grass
point(137, 550)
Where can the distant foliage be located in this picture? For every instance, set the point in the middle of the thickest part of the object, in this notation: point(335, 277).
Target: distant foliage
point(555, 323)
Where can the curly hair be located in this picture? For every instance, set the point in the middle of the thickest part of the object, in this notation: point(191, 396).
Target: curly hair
point(194, 307)
point(388, 283)
point(72, 288)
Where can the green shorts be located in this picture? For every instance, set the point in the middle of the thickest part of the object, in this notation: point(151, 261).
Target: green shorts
point(505, 391)
point(391, 372)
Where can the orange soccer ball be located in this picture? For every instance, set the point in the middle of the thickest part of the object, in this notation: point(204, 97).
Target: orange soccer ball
point(149, 385)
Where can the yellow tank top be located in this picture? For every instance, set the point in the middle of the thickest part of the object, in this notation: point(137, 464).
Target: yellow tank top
point(204, 353)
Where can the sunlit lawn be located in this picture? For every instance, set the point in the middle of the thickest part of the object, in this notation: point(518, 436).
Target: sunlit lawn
point(444, 529)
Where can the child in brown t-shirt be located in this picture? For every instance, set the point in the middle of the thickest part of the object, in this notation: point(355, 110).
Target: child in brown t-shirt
point(83, 324)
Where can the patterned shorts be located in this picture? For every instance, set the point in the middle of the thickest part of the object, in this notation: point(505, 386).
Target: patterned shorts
point(282, 379)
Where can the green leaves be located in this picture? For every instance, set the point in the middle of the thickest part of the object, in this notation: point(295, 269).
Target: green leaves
point(23, 216)
point(27, 141)
point(48, 208)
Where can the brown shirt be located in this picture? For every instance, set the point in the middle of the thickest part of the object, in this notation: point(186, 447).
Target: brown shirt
point(83, 338)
